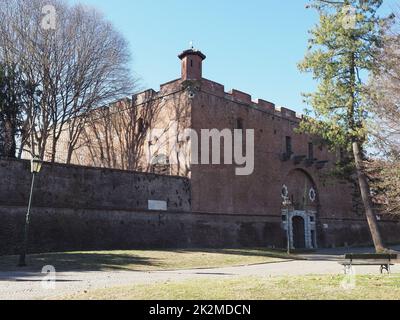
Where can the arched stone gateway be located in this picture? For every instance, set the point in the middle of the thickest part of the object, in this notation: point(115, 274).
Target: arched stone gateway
point(298, 227)
point(299, 210)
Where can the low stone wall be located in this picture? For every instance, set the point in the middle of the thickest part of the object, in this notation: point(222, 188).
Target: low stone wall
point(74, 229)
point(63, 186)
point(350, 232)
point(68, 229)
point(78, 208)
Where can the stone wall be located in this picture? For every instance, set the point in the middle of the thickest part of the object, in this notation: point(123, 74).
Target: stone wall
point(62, 229)
point(62, 186)
point(350, 232)
point(78, 208)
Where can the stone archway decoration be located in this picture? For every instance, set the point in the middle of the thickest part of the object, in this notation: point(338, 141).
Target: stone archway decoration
point(285, 191)
point(313, 195)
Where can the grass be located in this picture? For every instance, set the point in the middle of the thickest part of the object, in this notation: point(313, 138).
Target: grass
point(144, 260)
point(252, 288)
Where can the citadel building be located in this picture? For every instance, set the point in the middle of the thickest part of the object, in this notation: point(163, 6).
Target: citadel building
point(163, 198)
point(289, 184)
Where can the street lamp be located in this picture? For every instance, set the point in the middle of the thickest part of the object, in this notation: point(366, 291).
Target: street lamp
point(36, 165)
point(286, 204)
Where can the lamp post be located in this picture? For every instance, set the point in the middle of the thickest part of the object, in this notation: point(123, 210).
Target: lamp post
point(36, 165)
point(287, 203)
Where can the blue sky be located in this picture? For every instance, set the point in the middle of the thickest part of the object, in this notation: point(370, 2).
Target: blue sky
point(253, 46)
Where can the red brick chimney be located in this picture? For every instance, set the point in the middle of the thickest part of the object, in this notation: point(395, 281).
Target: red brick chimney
point(192, 64)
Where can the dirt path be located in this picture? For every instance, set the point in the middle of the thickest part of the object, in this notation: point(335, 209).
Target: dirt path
point(17, 285)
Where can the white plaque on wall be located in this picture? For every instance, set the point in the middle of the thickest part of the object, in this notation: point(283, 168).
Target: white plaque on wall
point(157, 205)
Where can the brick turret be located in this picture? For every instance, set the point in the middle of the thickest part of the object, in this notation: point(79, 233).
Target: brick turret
point(192, 64)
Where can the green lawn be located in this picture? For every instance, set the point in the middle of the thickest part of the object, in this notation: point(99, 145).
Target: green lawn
point(145, 260)
point(252, 288)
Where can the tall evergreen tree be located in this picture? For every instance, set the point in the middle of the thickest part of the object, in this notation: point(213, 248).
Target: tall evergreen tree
point(342, 50)
point(11, 87)
point(2, 124)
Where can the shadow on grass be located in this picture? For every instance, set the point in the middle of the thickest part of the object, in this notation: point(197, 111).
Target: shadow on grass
point(119, 260)
point(78, 261)
point(252, 252)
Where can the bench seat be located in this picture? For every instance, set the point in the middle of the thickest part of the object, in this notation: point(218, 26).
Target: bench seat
point(366, 263)
point(385, 261)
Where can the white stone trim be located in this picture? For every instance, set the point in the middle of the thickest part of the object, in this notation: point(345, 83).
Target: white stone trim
point(309, 226)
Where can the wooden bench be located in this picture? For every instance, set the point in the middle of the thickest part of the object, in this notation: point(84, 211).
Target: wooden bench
point(385, 261)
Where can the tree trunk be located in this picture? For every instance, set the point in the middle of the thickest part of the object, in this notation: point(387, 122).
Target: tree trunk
point(366, 198)
point(10, 146)
point(70, 150)
point(53, 148)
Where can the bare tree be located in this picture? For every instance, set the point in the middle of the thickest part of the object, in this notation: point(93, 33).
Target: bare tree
point(145, 133)
point(115, 136)
point(384, 95)
point(385, 184)
point(76, 65)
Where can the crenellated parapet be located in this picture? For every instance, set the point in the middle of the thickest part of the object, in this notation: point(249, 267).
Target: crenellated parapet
point(266, 105)
point(245, 98)
point(241, 96)
point(213, 87)
point(143, 97)
point(217, 89)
